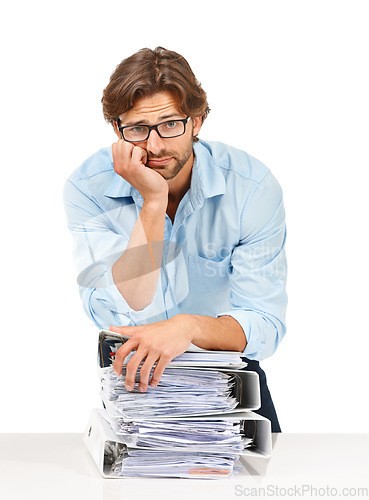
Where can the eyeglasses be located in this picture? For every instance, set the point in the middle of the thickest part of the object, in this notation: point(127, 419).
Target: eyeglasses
point(165, 130)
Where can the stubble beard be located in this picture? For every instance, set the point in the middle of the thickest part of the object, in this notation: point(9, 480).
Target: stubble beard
point(180, 162)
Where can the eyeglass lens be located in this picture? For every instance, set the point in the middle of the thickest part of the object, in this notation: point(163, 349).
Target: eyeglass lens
point(167, 129)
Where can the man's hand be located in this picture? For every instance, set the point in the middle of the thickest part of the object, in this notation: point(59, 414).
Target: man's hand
point(154, 343)
point(129, 162)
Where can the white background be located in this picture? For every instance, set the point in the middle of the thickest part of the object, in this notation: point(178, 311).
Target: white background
point(288, 82)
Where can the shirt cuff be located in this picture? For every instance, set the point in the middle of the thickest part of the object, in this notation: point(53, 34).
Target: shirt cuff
point(252, 349)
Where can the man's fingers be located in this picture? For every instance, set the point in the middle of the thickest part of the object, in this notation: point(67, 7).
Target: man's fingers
point(139, 155)
point(131, 370)
point(116, 329)
point(127, 158)
point(159, 370)
point(123, 330)
point(145, 371)
point(122, 154)
point(121, 355)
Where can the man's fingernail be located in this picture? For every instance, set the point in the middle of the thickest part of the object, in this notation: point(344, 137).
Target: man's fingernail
point(116, 373)
point(128, 387)
point(141, 389)
point(154, 384)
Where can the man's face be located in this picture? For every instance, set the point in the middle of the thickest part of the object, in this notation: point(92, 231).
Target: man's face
point(166, 156)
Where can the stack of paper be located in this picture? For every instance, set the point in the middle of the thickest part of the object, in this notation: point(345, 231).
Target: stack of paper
point(176, 447)
point(180, 392)
point(221, 436)
point(143, 463)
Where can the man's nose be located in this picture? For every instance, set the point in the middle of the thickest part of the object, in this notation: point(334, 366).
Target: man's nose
point(154, 142)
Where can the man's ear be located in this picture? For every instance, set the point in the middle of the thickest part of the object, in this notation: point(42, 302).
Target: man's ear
point(197, 122)
point(115, 125)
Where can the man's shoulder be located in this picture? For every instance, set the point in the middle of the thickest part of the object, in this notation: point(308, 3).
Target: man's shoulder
point(99, 163)
point(234, 160)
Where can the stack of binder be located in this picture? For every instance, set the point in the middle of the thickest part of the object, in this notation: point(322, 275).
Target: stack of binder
point(196, 423)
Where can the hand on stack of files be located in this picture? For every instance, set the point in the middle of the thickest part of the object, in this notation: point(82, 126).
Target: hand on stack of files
point(195, 423)
point(109, 342)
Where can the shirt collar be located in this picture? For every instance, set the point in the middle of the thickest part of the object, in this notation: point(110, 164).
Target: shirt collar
point(207, 180)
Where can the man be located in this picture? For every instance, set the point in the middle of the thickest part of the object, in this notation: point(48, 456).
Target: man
point(178, 241)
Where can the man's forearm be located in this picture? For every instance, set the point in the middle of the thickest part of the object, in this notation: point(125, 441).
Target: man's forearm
point(223, 333)
point(136, 272)
point(159, 343)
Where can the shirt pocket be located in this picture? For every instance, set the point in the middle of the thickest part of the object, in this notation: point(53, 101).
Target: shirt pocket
point(208, 276)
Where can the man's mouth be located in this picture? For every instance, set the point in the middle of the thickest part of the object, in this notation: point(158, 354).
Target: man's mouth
point(158, 162)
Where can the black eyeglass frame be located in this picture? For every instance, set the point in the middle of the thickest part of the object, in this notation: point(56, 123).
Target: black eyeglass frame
point(153, 127)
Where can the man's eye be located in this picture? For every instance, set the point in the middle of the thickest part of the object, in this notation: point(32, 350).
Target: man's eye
point(172, 124)
point(137, 130)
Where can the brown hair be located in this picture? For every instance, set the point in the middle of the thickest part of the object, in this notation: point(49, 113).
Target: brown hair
point(150, 71)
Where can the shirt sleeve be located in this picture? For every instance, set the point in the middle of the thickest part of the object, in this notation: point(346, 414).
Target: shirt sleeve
point(258, 271)
point(96, 247)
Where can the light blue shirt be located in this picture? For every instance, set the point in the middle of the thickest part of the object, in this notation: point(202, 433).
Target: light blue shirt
point(223, 254)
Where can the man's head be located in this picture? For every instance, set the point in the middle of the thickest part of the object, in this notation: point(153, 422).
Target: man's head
point(148, 72)
point(156, 124)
